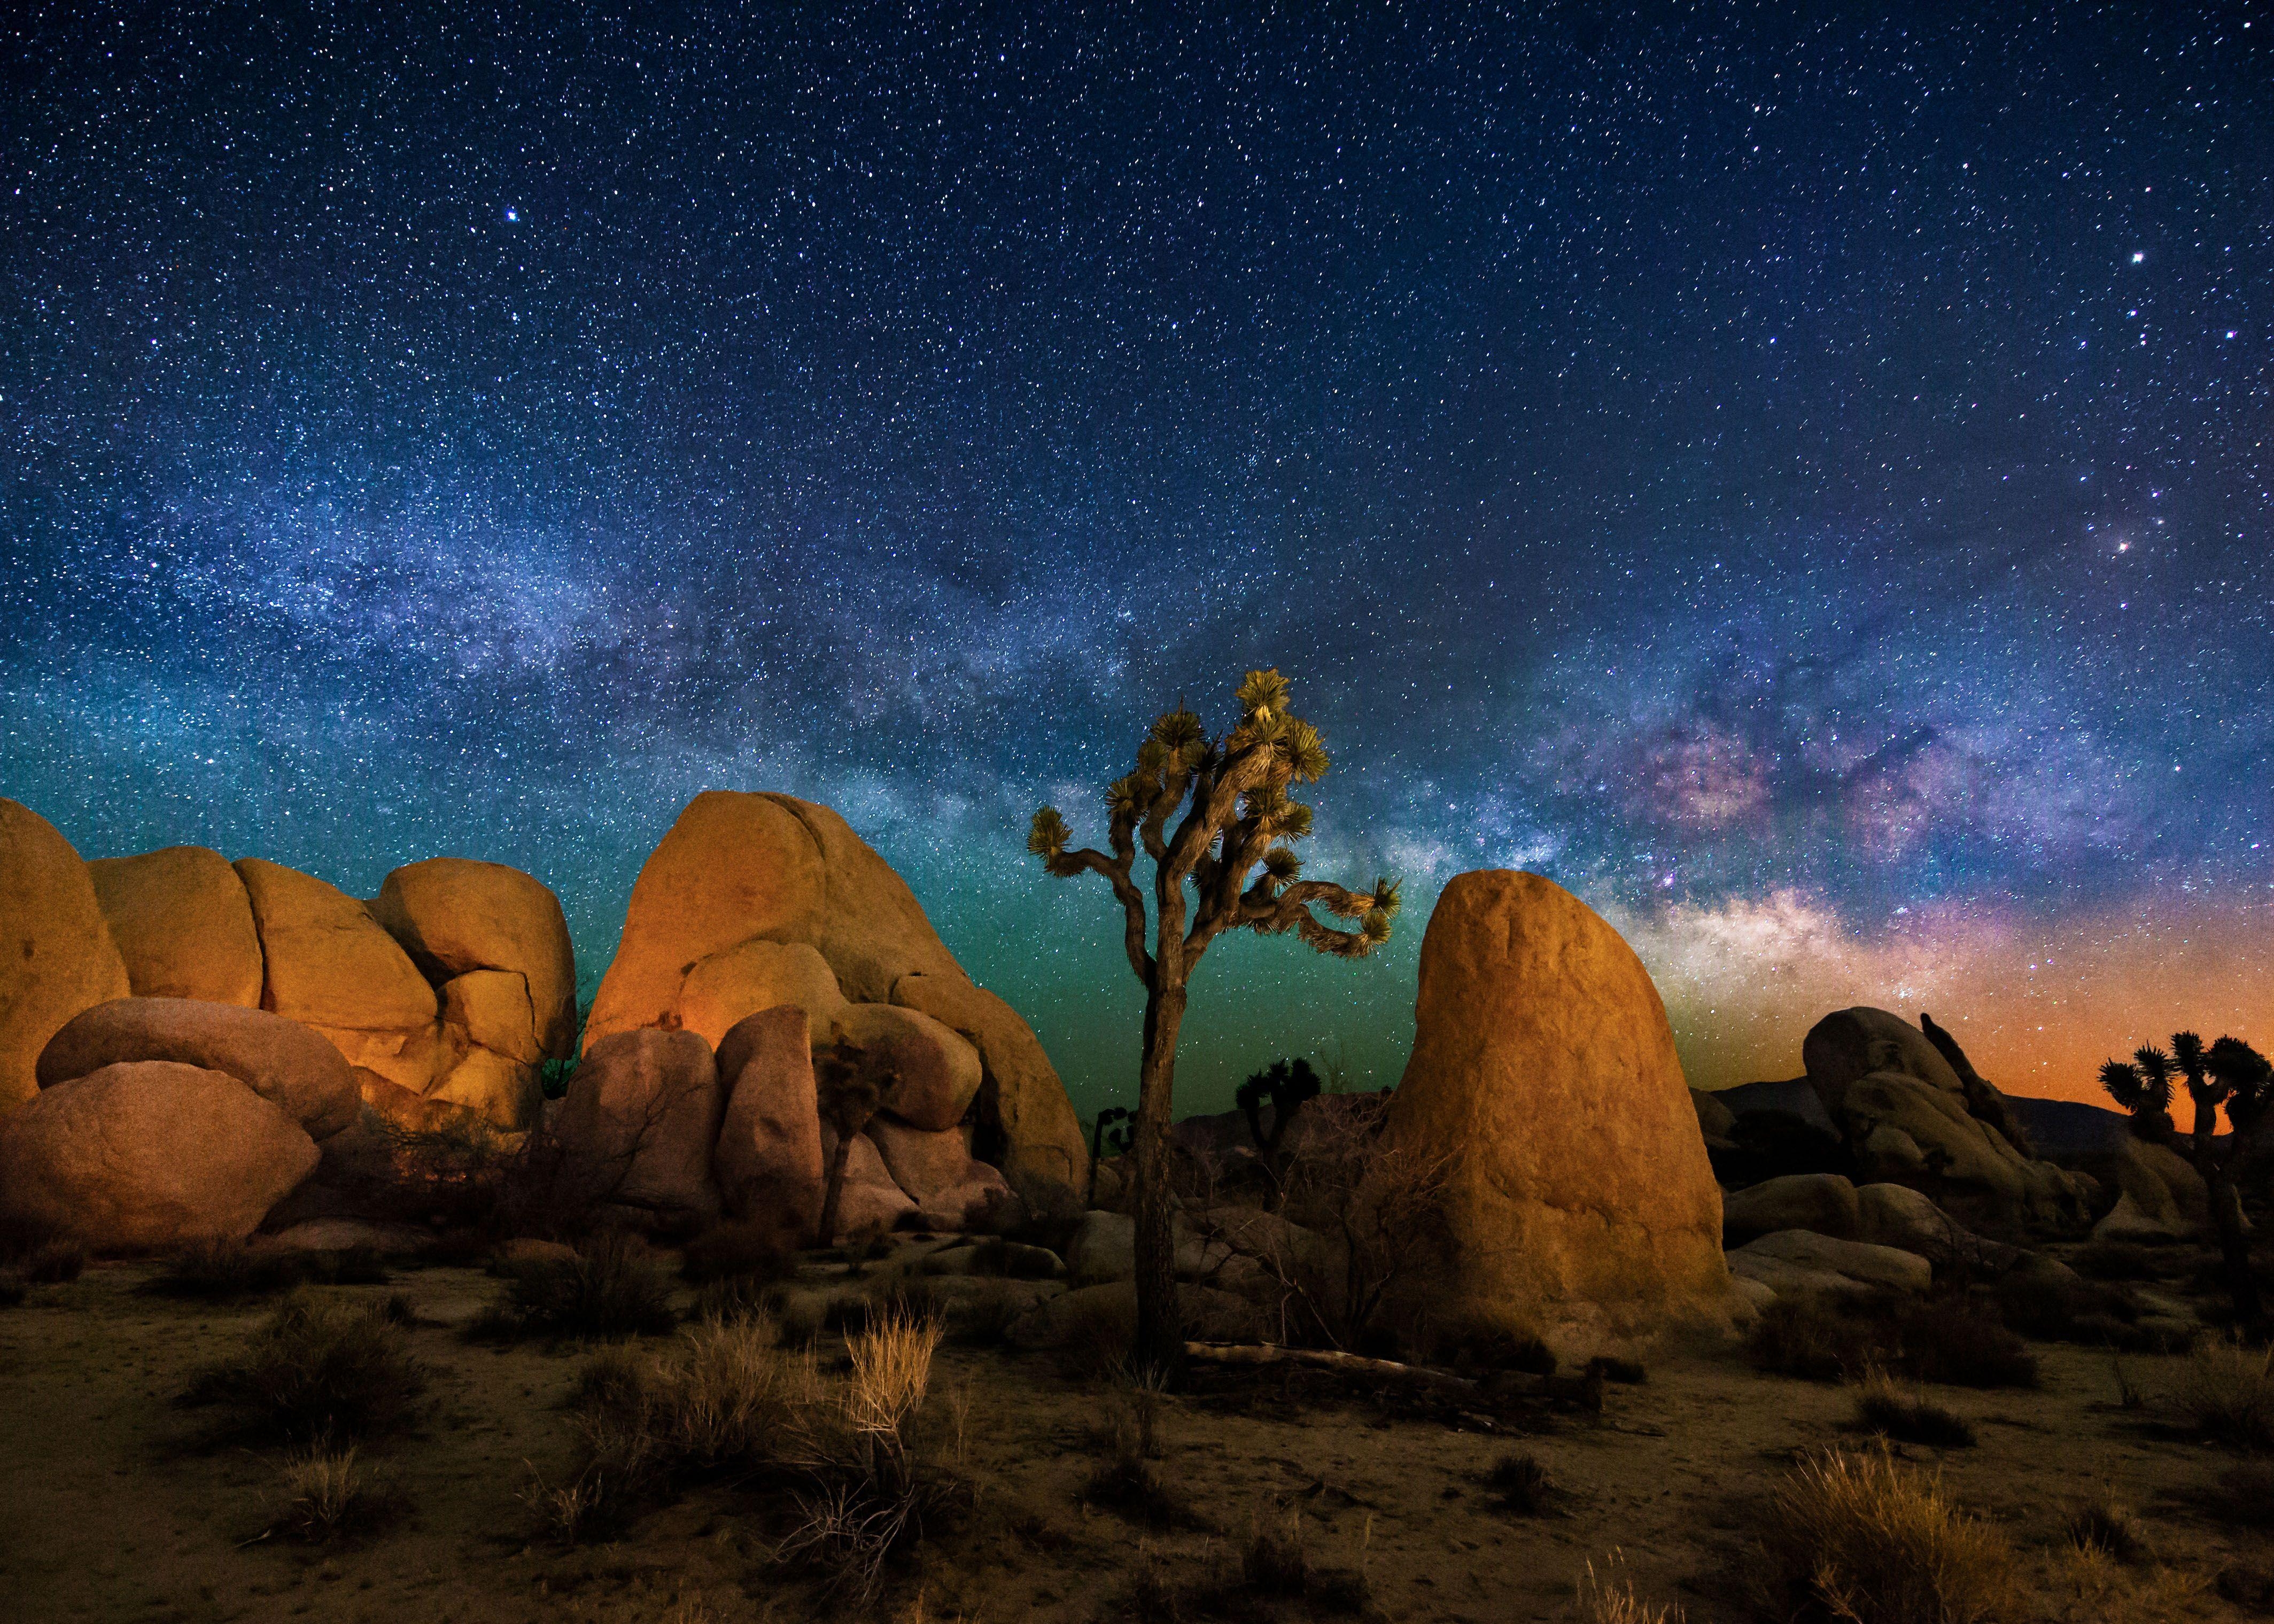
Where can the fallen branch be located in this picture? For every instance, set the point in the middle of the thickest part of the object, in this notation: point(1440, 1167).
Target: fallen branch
point(1498, 1387)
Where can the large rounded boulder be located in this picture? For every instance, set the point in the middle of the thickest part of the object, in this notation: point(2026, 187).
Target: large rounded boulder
point(1580, 1202)
point(639, 1123)
point(149, 1153)
point(722, 990)
point(183, 924)
point(926, 1075)
point(768, 1156)
point(329, 965)
point(56, 955)
point(458, 915)
point(281, 1060)
point(1024, 1124)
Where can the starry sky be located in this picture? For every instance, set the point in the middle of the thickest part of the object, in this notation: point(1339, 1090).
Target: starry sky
point(1797, 476)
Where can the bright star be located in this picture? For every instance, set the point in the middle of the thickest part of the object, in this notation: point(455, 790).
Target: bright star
point(2138, 258)
point(513, 214)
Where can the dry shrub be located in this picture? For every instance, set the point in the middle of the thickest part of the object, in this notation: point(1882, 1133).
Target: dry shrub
point(1955, 1344)
point(612, 1288)
point(2055, 1307)
point(1609, 1597)
point(1124, 1481)
point(2125, 1260)
point(217, 1270)
point(1798, 1336)
point(739, 1296)
point(1521, 1484)
point(1887, 1407)
point(330, 1494)
point(755, 1250)
point(2242, 1496)
point(12, 1291)
point(2227, 1391)
point(316, 1369)
point(1860, 1539)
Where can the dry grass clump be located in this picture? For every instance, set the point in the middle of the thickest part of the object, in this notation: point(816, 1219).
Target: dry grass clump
point(56, 1263)
point(1959, 1345)
point(330, 1494)
point(1101, 1330)
point(1860, 1539)
point(1521, 1484)
point(1609, 1597)
point(1887, 1407)
point(2106, 1527)
point(316, 1369)
point(1795, 1337)
point(1124, 1481)
point(223, 1270)
point(612, 1288)
point(2227, 1392)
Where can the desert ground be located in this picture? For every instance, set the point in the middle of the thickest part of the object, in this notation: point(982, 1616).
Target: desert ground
point(123, 1504)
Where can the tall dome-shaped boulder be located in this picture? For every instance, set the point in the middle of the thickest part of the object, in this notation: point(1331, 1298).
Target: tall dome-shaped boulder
point(281, 1060)
point(740, 867)
point(56, 955)
point(1581, 1204)
point(183, 924)
point(328, 965)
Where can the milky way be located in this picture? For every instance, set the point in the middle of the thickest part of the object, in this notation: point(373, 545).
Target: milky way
point(1802, 484)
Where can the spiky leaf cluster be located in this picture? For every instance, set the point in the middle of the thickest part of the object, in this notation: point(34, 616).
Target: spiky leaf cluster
point(2229, 1073)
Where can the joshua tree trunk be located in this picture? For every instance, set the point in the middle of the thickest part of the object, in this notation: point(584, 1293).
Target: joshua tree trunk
point(2226, 1216)
point(1160, 1327)
point(832, 1188)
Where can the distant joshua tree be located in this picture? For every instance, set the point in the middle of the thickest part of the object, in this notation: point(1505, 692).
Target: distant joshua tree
point(2229, 1073)
point(1207, 813)
point(1285, 1086)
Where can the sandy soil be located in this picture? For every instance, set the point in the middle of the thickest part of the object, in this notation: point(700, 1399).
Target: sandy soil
point(112, 1508)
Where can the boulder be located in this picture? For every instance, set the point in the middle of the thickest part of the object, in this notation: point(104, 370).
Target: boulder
point(183, 925)
point(1023, 1121)
point(933, 1074)
point(329, 965)
point(1209, 1315)
point(1714, 1119)
point(1849, 1044)
point(2160, 1197)
point(149, 1153)
point(349, 1235)
point(455, 915)
point(490, 1009)
point(1823, 1203)
point(1899, 1217)
point(756, 976)
point(1795, 1262)
point(923, 1161)
point(1104, 1248)
point(1908, 1129)
point(1581, 1203)
point(642, 1114)
point(58, 951)
point(281, 1060)
point(503, 1092)
point(870, 1202)
point(982, 1203)
point(736, 866)
point(768, 1156)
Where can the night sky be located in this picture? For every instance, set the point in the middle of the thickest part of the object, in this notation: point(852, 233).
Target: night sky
point(1802, 484)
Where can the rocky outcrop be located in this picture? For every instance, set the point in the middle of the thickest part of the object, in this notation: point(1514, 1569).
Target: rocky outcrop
point(1023, 1121)
point(281, 1060)
point(641, 1117)
point(2159, 1196)
point(768, 1158)
point(1801, 1263)
point(1881, 1214)
point(952, 1191)
point(57, 957)
point(736, 867)
point(183, 924)
point(457, 916)
point(1582, 1204)
point(1823, 1203)
point(148, 1155)
point(926, 1075)
point(1906, 1120)
point(328, 964)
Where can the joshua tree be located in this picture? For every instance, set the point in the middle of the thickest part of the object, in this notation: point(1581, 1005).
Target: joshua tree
point(1209, 813)
point(849, 1091)
point(1285, 1086)
point(2231, 1073)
